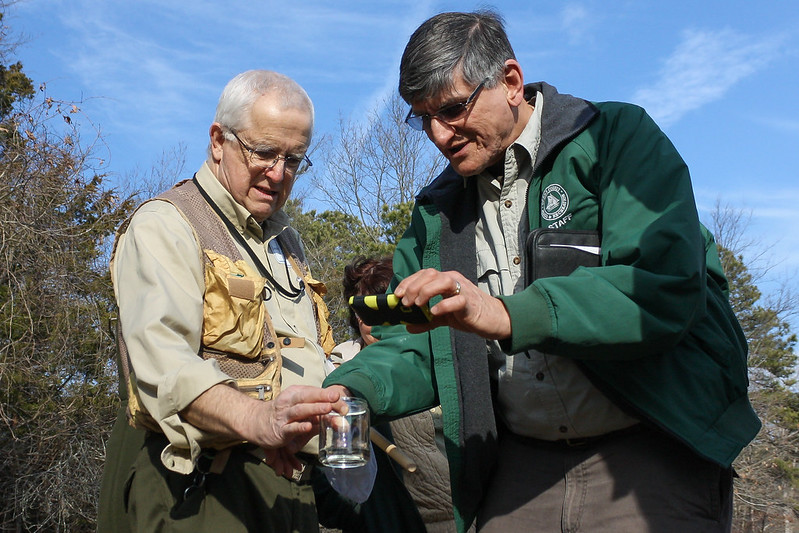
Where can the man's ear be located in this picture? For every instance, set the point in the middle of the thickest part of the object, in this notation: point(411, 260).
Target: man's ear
point(217, 135)
point(513, 79)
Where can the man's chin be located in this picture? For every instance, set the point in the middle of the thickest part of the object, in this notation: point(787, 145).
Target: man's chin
point(465, 169)
point(262, 213)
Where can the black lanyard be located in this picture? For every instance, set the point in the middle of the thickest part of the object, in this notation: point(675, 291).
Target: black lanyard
point(290, 293)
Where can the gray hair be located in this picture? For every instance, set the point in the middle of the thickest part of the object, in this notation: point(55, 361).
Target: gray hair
point(239, 95)
point(474, 45)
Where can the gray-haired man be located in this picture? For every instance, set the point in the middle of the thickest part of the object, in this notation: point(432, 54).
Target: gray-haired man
point(612, 398)
point(225, 331)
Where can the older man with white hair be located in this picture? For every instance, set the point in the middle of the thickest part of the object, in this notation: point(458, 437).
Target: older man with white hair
point(224, 331)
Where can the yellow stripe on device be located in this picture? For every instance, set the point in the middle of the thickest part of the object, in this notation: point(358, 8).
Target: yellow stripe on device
point(386, 309)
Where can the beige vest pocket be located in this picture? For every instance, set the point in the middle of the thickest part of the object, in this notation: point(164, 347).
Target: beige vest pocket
point(233, 314)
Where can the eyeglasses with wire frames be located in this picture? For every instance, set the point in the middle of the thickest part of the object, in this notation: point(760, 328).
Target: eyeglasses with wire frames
point(267, 159)
point(447, 114)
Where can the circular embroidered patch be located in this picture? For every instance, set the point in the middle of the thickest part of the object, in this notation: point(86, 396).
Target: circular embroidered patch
point(554, 202)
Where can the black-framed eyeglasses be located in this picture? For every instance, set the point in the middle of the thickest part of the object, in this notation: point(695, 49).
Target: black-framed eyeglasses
point(266, 159)
point(447, 115)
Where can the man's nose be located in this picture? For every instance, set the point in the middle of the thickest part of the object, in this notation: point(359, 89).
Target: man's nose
point(277, 172)
point(439, 131)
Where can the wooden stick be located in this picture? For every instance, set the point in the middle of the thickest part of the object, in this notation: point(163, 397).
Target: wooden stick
point(395, 453)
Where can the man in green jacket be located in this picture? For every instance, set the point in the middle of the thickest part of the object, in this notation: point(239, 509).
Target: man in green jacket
point(613, 398)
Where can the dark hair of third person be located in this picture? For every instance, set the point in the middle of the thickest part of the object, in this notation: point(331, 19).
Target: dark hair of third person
point(366, 275)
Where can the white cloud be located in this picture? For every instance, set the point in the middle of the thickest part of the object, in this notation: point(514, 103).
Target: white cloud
point(704, 66)
point(575, 21)
point(152, 71)
point(788, 125)
point(158, 68)
point(137, 74)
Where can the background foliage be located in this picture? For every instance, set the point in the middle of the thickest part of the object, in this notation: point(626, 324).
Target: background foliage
point(56, 384)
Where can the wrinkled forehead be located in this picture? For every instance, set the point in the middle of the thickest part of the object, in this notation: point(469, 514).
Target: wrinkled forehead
point(456, 91)
point(271, 121)
point(279, 106)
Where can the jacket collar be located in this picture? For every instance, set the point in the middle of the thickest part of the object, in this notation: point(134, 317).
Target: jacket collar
point(564, 117)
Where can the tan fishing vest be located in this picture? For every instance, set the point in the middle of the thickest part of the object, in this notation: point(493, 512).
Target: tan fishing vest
point(237, 330)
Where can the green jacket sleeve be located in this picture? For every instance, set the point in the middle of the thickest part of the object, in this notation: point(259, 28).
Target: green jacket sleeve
point(394, 375)
point(651, 287)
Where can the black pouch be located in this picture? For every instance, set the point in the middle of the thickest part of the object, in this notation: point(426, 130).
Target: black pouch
point(553, 252)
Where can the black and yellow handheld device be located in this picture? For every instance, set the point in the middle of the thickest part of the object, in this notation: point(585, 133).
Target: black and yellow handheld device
point(386, 309)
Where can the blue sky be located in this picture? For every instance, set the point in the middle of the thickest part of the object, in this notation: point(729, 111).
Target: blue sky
point(720, 77)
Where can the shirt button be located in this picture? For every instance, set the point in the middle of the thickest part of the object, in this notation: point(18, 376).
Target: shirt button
point(508, 203)
point(517, 260)
point(563, 429)
point(540, 376)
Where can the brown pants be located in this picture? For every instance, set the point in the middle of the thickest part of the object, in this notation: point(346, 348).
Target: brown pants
point(638, 482)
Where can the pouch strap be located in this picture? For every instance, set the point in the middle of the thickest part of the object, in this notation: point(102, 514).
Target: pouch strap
point(291, 342)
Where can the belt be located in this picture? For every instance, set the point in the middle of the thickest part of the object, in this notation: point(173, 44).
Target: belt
point(213, 461)
point(579, 442)
point(301, 476)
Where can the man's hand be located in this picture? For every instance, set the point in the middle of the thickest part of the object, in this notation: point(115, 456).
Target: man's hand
point(342, 391)
point(287, 422)
point(464, 307)
point(290, 420)
point(282, 459)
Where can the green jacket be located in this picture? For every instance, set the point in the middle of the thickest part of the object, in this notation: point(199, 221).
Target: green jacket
point(651, 327)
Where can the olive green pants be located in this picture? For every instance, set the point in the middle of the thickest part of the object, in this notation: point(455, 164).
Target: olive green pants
point(122, 448)
point(247, 496)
